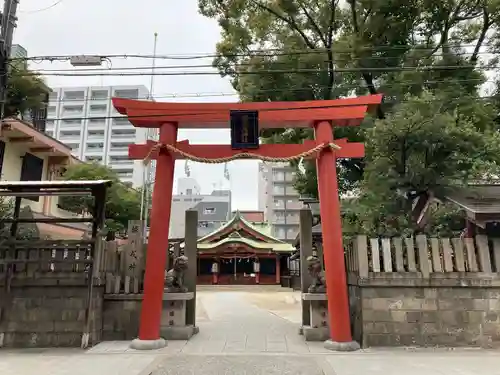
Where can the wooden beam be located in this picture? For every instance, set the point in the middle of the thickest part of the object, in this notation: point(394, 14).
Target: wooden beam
point(58, 160)
point(21, 139)
point(5, 128)
point(42, 149)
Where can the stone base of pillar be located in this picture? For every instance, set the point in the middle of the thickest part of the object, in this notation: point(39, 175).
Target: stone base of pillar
point(179, 333)
point(173, 321)
point(315, 333)
point(139, 344)
point(350, 346)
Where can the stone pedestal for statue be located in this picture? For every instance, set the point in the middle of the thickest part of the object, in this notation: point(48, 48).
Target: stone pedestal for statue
point(317, 328)
point(173, 320)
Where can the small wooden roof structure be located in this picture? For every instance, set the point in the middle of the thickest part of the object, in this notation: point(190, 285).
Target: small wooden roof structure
point(26, 189)
point(240, 232)
point(481, 202)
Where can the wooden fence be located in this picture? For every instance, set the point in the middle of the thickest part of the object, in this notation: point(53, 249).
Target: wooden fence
point(117, 265)
point(422, 254)
point(121, 265)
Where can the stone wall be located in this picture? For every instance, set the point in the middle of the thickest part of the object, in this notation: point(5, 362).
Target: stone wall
point(404, 309)
point(121, 316)
point(48, 315)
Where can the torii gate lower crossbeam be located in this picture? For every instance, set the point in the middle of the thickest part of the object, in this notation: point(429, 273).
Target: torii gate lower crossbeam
point(167, 150)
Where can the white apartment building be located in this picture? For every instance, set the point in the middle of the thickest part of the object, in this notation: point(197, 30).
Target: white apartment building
point(279, 200)
point(84, 119)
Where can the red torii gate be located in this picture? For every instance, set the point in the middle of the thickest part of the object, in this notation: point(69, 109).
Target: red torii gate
point(320, 115)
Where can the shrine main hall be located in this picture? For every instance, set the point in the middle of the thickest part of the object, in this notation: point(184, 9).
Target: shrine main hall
point(243, 252)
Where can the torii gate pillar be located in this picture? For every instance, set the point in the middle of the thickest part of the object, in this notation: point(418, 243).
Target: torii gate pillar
point(333, 249)
point(156, 259)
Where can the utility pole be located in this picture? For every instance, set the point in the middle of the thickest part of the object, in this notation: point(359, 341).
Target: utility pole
point(9, 23)
point(150, 133)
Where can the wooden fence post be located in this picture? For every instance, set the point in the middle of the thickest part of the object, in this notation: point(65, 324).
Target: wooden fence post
point(361, 249)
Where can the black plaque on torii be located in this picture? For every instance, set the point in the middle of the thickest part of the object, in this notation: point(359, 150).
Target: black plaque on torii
point(244, 129)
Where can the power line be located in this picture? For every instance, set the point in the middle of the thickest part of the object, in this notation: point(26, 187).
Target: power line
point(42, 9)
point(269, 52)
point(199, 65)
point(264, 91)
point(271, 71)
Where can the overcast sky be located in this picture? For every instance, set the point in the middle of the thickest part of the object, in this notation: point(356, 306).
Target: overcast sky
point(110, 27)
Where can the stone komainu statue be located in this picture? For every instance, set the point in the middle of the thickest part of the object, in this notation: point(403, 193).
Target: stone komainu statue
point(174, 278)
point(315, 269)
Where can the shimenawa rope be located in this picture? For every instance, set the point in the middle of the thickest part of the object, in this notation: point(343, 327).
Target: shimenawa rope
point(243, 155)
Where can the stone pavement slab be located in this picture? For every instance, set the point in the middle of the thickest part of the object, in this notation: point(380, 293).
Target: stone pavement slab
point(239, 365)
point(60, 362)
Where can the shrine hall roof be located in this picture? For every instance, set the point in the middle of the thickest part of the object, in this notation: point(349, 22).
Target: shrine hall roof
point(262, 228)
point(278, 247)
point(230, 230)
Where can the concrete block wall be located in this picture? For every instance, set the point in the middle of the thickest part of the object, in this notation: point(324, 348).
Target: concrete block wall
point(49, 316)
point(407, 310)
point(121, 314)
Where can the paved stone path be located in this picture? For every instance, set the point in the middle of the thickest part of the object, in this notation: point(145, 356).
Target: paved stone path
point(240, 336)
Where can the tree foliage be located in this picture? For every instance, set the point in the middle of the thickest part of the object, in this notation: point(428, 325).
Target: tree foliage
point(25, 91)
point(122, 202)
point(429, 59)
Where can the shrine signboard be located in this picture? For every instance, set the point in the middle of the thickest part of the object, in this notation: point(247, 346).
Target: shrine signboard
point(244, 129)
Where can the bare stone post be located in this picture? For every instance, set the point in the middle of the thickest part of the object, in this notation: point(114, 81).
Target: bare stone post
point(191, 251)
point(306, 246)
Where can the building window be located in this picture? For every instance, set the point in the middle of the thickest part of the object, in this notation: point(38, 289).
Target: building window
point(95, 146)
point(98, 108)
point(94, 158)
point(71, 122)
point(99, 95)
point(69, 134)
point(121, 121)
point(127, 94)
point(32, 170)
point(209, 210)
point(74, 95)
point(189, 191)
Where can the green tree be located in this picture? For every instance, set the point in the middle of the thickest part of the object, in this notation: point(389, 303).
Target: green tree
point(25, 231)
point(25, 91)
point(420, 147)
point(122, 202)
point(323, 49)
point(408, 50)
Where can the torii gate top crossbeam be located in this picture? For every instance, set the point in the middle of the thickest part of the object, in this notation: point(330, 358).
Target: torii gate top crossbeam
point(342, 112)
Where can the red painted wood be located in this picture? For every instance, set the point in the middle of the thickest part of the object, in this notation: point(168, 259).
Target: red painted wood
point(342, 116)
point(158, 240)
point(333, 250)
point(124, 105)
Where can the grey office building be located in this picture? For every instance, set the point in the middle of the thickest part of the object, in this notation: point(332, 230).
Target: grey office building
point(214, 209)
